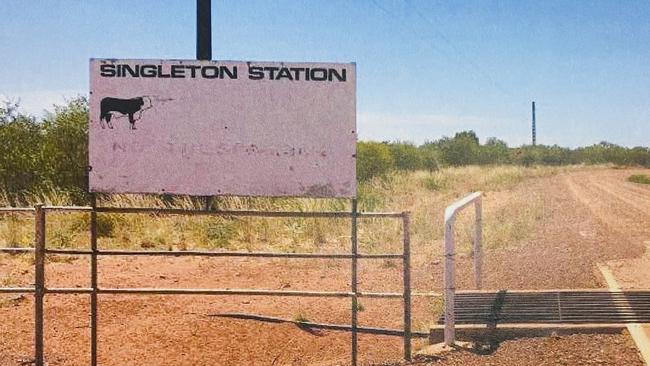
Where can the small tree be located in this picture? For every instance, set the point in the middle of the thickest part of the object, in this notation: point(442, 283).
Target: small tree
point(65, 146)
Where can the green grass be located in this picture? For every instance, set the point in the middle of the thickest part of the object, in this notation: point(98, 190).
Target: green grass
point(639, 178)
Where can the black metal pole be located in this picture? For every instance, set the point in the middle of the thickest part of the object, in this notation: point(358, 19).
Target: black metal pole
point(534, 127)
point(204, 49)
point(203, 30)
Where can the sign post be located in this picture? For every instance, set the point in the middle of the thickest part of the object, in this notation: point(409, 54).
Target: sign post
point(204, 47)
point(203, 30)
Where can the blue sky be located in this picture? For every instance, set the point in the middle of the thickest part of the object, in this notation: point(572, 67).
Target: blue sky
point(425, 68)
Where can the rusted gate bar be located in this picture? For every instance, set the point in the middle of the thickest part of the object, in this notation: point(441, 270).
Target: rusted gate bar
point(39, 284)
point(407, 285)
point(206, 253)
point(17, 290)
point(93, 281)
point(16, 209)
point(16, 250)
point(353, 283)
point(254, 213)
point(203, 253)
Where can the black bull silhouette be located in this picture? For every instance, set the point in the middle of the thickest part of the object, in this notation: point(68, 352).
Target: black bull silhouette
point(128, 107)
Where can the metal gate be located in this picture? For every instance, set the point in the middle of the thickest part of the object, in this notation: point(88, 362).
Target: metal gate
point(40, 250)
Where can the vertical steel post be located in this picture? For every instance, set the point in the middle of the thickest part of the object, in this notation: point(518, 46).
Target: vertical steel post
point(93, 280)
point(203, 30)
point(449, 286)
point(39, 284)
point(407, 284)
point(353, 284)
point(204, 49)
point(478, 245)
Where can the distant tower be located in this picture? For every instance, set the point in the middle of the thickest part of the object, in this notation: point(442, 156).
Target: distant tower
point(534, 132)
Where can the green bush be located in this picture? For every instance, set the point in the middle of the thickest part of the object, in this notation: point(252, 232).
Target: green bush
point(65, 147)
point(374, 159)
point(494, 151)
point(21, 166)
point(639, 178)
point(406, 156)
point(220, 232)
point(463, 149)
point(430, 158)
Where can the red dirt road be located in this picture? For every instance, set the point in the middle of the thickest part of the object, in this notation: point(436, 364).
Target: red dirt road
point(589, 216)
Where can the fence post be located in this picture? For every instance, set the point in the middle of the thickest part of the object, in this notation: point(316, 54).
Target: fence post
point(407, 285)
point(450, 288)
point(478, 245)
point(93, 280)
point(355, 253)
point(39, 284)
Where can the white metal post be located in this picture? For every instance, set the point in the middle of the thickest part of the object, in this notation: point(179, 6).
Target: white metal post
point(449, 275)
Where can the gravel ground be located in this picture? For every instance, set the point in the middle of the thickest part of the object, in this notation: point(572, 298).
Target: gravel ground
point(572, 350)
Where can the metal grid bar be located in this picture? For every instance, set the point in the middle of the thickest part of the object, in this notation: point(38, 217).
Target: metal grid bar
point(570, 307)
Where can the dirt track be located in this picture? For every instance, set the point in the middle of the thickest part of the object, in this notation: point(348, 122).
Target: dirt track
point(589, 216)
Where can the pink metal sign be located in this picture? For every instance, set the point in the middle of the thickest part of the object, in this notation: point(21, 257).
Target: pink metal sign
point(223, 128)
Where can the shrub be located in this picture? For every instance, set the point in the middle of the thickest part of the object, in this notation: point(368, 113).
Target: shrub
point(433, 183)
point(374, 159)
point(20, 157)
point(463, 149)
point(65, 148)
point(405, 156)
point(430, 157)
point(639, 178)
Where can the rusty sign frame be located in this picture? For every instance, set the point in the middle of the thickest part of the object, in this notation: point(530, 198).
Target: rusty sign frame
point(40, 250)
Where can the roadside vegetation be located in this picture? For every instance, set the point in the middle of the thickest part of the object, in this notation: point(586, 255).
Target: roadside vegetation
point(44, 161)
point(425, 194)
